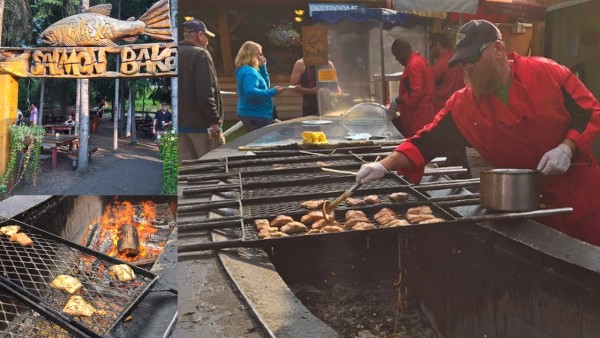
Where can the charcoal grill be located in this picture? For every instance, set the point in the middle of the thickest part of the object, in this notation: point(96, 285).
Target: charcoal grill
point(26, 273)
point(234, 192)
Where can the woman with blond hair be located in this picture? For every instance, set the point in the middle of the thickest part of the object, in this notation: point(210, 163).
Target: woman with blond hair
point(255, 98)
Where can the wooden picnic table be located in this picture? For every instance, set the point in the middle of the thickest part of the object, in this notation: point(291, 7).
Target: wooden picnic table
point(50, 140)
point(59, 127)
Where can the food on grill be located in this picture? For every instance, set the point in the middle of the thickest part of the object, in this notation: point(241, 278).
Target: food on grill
point(419, 210)
point(312, 217)
point(419, 218)
point(354, 220)
point(21, 238)
point(331, 228)
point(371, 199)
point(354, 202)
point(313, 231)
point(66, 283)
point(433, 220)
point(395, 223)
point(398, 197)
point(281, 220)
point(9, 230)
point(312, 204)
point(314, 137)
point(354, 213)
point(123, 272)
point(293, 228)
point(261, 223)
point(277, 234)
point(267, 231)
point(385, 216)
point(78, 307)
point(323, 223)
point(363, 226)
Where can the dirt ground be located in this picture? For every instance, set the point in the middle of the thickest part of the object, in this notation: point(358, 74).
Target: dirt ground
point(365, 311)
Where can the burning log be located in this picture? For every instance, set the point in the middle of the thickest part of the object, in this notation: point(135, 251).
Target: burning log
point(129, 242)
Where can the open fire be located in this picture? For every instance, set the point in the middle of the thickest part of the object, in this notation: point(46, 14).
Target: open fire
point(133, 233)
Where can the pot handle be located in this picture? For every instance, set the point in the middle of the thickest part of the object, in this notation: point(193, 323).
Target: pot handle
point(515, 215)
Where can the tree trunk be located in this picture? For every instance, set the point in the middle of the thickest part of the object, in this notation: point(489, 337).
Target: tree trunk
point(85, 114)
point(41, 104)
point(133, 124)
point(1, 19)
point(117, 101)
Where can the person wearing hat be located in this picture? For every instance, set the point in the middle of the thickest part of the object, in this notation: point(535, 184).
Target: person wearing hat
point(415, 89)
point(200, 103)
point(517, 112)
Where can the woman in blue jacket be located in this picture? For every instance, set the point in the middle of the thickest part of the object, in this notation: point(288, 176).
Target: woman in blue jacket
point(255, 98)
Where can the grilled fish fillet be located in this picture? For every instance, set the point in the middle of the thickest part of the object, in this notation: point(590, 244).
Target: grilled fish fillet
point(123, 272)
point(9, 230)
point(21, 238)
point(78, 307)
point(66, 283)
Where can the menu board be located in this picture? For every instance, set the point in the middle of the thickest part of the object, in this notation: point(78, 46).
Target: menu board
point(314, 45)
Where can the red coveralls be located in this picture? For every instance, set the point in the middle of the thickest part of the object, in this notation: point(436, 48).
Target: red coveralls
point(416, 88)
point(447, 80)
point(546, 104)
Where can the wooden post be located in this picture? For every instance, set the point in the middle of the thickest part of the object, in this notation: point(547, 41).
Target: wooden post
point(8, 115)
point(129, 242)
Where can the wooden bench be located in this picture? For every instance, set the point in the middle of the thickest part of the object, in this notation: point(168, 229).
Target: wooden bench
point(74, 155)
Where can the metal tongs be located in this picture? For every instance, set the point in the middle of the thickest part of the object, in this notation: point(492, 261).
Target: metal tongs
point(329, 206)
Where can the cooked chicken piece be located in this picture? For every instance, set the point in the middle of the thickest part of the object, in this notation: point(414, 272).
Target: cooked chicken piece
point(312, 217)
point(352, 213)
point(278, 234)
point(9, 230)
point(313, 231)
point(395, 223)
point(264, 233)
point(332, 228)
point(363, 226)
point(261, 223)
point(385, 215)
point(293, 228)
point(386, 218)
point(123, 272)
point(420, 210)
point(354, 202)
point(312, 204)
point(433, 220)
point(371, 199)
point(352, 221)
point(66, 283)
point(418, 218)
point(78, 307)
point(398, 197)
point(21, 238)
point(281, 220)
point(322, 223)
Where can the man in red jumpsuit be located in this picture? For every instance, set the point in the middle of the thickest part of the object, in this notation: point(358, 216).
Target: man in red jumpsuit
point(518, 112)
point(416, 89)
point(447, 79)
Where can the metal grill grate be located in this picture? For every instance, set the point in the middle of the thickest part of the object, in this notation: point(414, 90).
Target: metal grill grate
point(28, 323)
point(34, 267)
point(284, 166)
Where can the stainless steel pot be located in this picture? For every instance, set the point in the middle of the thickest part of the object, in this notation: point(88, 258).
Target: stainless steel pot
point(510, 189)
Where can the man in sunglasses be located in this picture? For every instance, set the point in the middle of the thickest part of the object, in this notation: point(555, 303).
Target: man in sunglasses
point(517, 112)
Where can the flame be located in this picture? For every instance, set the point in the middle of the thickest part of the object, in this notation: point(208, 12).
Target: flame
point(121, 213)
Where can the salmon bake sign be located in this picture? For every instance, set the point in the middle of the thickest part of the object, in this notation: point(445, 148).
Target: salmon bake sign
point(80, 46)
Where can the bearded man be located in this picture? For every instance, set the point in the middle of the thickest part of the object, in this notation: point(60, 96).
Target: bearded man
point(517, 112)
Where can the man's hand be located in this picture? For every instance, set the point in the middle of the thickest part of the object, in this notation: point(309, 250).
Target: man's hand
point(370, 172)
point(556, 161)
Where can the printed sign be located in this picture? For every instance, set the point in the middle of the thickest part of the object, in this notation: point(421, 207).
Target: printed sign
point(314, 45)
point(326, 75)
point(333, 7)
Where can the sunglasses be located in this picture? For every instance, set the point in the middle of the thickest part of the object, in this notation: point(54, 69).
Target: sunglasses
point(477, 55)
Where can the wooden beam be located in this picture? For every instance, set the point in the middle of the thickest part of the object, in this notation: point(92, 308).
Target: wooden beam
point(8, 115)
point(225, 41)
point(236, 24)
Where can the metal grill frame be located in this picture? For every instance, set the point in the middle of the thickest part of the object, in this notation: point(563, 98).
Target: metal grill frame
point(53, 299)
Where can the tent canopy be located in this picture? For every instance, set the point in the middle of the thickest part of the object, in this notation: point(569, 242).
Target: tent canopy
point(380, 14)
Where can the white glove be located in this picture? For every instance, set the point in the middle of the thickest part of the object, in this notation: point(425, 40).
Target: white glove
point(556, 161)
point(393, 105)
point(370, 172)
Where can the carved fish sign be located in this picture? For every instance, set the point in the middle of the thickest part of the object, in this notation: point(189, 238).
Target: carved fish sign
point(94, 27)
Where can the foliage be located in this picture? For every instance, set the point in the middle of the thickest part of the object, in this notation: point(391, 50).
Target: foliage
point(28, 141)
point(168, 153)
point(283, 34)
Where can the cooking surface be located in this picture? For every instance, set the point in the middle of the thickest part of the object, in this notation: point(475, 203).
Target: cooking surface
point(32, 268)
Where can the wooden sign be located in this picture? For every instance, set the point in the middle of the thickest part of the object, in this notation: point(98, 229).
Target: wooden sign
point(314, 45)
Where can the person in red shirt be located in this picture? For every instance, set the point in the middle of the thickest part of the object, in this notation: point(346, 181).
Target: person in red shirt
point(416, 89)
point(447, 79)
point(517, 112)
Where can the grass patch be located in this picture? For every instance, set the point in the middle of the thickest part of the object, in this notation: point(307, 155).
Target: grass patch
point(235, 134)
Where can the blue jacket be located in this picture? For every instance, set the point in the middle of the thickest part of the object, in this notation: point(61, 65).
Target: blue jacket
point(255, 99)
